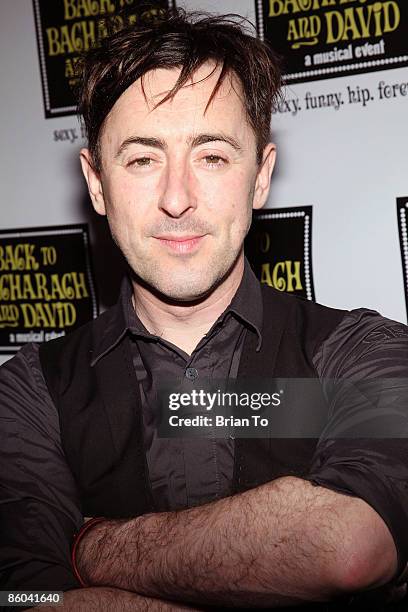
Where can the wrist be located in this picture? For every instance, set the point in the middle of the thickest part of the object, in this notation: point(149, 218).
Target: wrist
point(91, 531)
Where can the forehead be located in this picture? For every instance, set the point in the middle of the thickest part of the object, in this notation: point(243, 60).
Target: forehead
point(187, 111)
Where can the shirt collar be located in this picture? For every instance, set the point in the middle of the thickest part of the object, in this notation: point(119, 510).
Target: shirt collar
point(246, 305)
point(247, 302)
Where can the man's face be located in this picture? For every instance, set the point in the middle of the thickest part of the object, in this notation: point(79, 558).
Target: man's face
point(178, 183)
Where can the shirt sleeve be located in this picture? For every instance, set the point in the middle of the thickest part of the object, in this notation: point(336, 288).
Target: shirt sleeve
point(363, 451)
point(39, 502)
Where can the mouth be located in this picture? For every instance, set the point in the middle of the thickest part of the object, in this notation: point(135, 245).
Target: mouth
point(180, 244)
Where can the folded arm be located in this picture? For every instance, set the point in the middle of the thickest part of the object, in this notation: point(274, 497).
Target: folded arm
point(106, 599)
point(283, 543)
point(39, 501)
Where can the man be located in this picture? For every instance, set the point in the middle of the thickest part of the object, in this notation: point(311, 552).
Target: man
point(178, 115)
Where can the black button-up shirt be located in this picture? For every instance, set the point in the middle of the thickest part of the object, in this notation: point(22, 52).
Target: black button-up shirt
point(185, 472)
point(39, 499)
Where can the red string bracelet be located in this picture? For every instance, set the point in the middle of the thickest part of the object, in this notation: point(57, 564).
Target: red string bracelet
point(79, 536)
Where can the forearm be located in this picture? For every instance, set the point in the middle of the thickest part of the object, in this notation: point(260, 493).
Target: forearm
point(107, 599)
point(280, 544)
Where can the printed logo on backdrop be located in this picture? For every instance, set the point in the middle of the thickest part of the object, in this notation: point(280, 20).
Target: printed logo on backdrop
point(402, 212)
point(319, 39)
point(46, 284)
point(279, 249)
point(66, 28)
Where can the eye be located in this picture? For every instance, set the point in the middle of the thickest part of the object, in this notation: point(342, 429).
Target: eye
point(140, 162)
point(214, 160)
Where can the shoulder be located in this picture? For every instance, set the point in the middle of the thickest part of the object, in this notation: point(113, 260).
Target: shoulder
point(365, 342)
point(24, 368)
point(299, 305)
point(309, 321)
point(25, 401)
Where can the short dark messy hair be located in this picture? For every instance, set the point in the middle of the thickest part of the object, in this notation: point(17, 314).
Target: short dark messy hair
point(186, 40)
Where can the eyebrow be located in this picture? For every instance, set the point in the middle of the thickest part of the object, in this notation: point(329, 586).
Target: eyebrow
point(205, 138)
point(193, 141)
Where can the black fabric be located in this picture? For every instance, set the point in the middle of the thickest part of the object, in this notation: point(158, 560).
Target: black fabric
point(39, 502)
point(110, 467)
point(185, 472)
point(100, 420)
point(126, 404)
point(298, 339)
point(292, 329)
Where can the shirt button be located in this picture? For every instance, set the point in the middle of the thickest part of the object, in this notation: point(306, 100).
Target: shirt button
point(191, 373)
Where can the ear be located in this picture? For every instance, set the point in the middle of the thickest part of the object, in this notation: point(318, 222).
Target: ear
point(263, 179)
point(93, 180)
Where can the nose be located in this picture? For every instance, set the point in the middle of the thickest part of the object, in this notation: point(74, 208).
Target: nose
point(177, 190)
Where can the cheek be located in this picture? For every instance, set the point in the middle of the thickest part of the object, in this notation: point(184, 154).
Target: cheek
point(232, 200)
point(227, 193)
point(127, 201)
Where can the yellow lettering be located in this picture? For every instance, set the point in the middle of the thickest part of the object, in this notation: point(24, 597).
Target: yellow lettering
point(83, 35)
point(69, 10)
point(69, 314)
point(362, 22)
point(28, 289)
point(31, 262)
point(285, 275)
point(107, 6)
point(275, 8)
point(266, 274)
point(18, 257)
point(11, 287)
point(90, 8)
point(57, 291)
point(66, 283)
point(80, 289)
point(278, 281)
point(292, 31)
point(54, 47)
point(283, 7)
point(42, 291)
point(71, 285)
point(396, 15)
point(29, 318)
point(350, 24)
point(334, 28)
point(8, 315)
point(293, 275)
point(57, 314)
point(304, 28)
point(69, 68)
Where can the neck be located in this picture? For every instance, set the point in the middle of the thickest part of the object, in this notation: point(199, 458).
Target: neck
point(185, 323)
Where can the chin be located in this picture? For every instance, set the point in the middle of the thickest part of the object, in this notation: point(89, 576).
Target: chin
point(184, 283)
point(184, 292)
